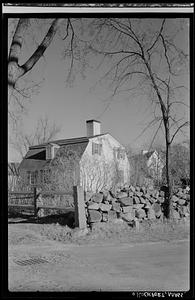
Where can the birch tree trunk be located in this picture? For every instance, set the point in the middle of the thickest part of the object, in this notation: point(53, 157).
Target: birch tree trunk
point(16, 71)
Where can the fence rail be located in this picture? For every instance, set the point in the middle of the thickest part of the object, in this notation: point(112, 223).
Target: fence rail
point(16, 200)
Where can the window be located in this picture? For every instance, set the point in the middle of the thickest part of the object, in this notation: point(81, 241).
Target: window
point(96, 148)
point(28, 176)
point(32, 177)
point(45, 176)
point(119, 153)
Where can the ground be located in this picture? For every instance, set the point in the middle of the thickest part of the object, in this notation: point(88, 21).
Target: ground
point(96, 264)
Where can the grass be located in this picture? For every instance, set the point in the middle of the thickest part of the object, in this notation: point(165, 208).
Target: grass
point(111, 232)
point(56, 229)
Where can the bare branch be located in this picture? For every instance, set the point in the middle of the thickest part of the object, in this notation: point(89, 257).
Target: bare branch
point(184, 124)
point(159, 34)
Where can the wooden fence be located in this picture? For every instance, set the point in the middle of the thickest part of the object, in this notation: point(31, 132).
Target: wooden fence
point(34, 201)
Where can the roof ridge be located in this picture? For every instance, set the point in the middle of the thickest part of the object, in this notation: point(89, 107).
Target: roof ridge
point(75, 140)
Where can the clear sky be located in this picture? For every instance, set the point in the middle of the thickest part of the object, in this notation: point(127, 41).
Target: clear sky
point(70, 107)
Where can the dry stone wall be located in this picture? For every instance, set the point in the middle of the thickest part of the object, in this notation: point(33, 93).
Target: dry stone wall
point(134, 204)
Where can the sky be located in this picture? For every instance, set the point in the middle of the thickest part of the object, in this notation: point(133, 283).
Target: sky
point(70, 106)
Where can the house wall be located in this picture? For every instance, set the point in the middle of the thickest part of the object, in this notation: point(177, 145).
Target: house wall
point(99, 172)
point(155, 165)
point(65, 167)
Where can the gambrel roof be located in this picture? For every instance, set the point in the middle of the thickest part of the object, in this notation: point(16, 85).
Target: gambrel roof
point(35, 159)
point(66, 141)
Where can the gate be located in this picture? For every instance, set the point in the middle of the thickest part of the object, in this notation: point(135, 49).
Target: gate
point(63, 201)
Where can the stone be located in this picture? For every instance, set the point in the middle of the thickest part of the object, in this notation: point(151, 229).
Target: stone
point(158, 213)
point(156, 207)
point(136, 200)
point(161, 199)
point(181, 201)
point(127, 209)
point(180, 195)
point(138, 206)
point(106, 202)
point(118, 221)
point(105, 207)
point(147, 206)
point(116, 206)
point(137, 188)
point(147, 196)
point(151, 214)
point(139, 194)
point(150, 187)
point(132, 188)
point(94, 216)
point(97, 197)
point(128, 216)
point(109, 197)
point(125, 189)
point(113, 200)
point(122, 195)
point(104, 217)
point(126, 201)
point(113, 192)
point(156, 194)
point(183, 210)
point(174, 198)
point(188, 197)
point(187, 188)
point(142, 200)
point(112, 215)
point(153, 199)
point(87, 196)
point(161, 193)
point(140, 213)
point(131, 194)
point(143, 189)
point(95, 206)
point(176, 214)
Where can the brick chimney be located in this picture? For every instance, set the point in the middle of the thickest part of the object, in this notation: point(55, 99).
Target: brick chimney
point(93, 127)
point(51, 150)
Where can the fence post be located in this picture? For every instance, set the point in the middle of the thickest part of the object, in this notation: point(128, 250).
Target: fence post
point(79, 204)
point(35, 202)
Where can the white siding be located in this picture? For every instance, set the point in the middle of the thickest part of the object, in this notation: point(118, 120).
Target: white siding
point(100, 171)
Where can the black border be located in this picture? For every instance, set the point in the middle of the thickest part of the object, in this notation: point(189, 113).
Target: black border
point(4, 141)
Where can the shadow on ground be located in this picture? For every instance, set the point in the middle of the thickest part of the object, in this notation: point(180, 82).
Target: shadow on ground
point(66, 219)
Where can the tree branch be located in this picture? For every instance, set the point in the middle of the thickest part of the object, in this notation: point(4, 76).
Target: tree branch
point(184, 124)
point(161, 29)
point(42, 47)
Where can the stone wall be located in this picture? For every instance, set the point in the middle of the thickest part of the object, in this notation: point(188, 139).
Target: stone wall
point(134, 204)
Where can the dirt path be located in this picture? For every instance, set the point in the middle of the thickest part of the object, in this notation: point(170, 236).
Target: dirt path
point(127, 267)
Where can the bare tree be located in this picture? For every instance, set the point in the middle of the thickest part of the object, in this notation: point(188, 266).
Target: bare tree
point(45, 131)
point(18, 68)
point(143, 56)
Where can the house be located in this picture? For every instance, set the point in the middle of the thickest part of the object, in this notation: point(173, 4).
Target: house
point(146, 167)
point(13, 175)
point(154, 163)
point(95, 162)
